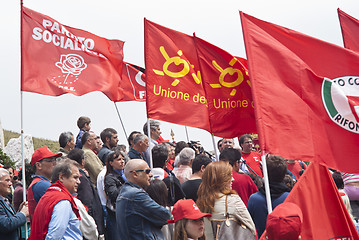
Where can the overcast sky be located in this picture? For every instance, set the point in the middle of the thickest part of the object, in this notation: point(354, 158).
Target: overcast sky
point(217, 22)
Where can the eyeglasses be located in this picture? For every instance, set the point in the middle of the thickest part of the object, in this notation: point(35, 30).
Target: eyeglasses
point(147, 171)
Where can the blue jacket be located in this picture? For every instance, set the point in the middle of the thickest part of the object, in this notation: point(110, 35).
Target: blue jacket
point(78, 139)
point(138, 216)
point(257, 207)
point(133, 154)
point(10, 222)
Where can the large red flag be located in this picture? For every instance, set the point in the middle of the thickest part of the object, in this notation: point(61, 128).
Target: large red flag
point(173, 82)
point(350, 30)
point(228, 91)
point(324, 213)
point(57, 59)
point(301, 89)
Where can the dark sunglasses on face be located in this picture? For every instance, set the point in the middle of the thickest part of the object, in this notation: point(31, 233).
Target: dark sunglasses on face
point(147, 171)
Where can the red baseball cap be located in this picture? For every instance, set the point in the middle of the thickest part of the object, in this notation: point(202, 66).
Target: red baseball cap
point(41, 153)
point(285, 222)
point(186, 209)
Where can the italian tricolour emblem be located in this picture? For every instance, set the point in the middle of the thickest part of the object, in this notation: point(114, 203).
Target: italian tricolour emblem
point(341, 100)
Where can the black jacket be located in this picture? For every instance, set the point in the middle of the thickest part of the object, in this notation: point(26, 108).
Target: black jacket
point(88, 195)
point(113, 185)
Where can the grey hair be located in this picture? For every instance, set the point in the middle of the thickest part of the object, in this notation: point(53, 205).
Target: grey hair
point(153, 126)
point(3, 172)
point(63, 167)
point(186, 155)
point(139, 137)
point(64, 138)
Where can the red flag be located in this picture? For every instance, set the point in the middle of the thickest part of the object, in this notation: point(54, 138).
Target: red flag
point(57, 59)
point(218, 102)
point(301, 89)
point(350, 30)
point(324, 213)
point(133, 83)
point(228, 91)
point(173, 82)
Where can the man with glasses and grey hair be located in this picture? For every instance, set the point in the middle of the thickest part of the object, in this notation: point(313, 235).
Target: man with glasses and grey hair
point(93, 164)
point(138, 216)
point(10, 220)
point(43, 161)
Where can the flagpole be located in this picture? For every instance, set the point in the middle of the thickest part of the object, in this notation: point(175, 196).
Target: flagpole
point(119, 116)
point(215, 148)
point(21, 123)
point(266, 183)
point(149, 141)
point(185, 127)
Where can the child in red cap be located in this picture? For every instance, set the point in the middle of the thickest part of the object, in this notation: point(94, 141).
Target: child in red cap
point(188, 221)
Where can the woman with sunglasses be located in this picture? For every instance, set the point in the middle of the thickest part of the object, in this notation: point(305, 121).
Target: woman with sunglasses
point(188, 220)
point(114, 179)
point(215, 192)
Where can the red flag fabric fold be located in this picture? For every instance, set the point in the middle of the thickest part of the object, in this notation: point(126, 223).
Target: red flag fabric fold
point(350, 30)
point(324, 213)
point(301, 90)
point(57, 59)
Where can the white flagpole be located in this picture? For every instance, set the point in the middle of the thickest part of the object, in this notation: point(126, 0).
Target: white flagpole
point(24, 187)
point(119, 116)
point(149, 141)
point(266, 183)
point(185, 127)
point(215, 148)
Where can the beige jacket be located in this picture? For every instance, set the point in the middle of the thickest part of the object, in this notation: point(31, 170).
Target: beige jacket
point(93, 164)
point(236, 209)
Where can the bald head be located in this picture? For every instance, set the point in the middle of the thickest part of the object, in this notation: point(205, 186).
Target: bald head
point(135, 172)
point(132, 165)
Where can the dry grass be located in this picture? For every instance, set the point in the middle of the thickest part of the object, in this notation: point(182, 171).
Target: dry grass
point(38, 142)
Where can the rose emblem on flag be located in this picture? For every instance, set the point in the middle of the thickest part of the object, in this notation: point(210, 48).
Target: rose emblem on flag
point(71, 64)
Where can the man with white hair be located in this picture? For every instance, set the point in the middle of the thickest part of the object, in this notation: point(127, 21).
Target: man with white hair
point(184, 171)
point(10, 220)
point(138, 216)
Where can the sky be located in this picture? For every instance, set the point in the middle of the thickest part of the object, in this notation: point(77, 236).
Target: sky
point(217, 22)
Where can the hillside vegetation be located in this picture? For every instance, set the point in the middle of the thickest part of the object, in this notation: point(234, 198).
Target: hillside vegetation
point(38, 142)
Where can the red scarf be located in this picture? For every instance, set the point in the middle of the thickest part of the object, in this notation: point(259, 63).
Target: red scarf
point(43, 212)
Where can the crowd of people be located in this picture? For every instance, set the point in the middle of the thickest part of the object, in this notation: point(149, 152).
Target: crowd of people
point(96, 188)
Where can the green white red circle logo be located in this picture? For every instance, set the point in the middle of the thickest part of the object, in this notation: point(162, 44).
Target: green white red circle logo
point(341, 100)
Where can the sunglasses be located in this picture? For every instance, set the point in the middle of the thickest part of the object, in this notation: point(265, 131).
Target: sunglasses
point(147, 171)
